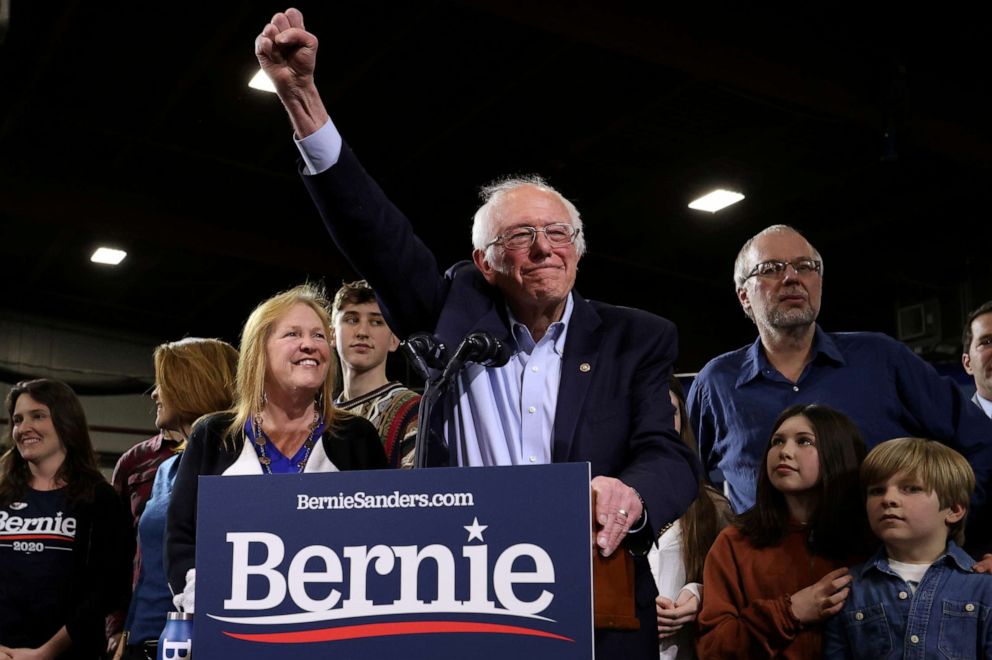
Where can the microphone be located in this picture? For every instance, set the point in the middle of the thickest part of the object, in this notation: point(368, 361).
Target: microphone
point(424, 351)
point(479, 347)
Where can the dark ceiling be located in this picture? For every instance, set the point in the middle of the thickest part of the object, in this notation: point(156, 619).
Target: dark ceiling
point(132, 124)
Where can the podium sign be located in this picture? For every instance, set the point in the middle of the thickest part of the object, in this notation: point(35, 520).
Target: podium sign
point(440, 563)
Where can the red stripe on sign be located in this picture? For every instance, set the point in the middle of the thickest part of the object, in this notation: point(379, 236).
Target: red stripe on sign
point(35, 537)
point(387, 629)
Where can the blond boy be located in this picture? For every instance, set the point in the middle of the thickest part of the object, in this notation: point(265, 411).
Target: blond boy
point(918, 596)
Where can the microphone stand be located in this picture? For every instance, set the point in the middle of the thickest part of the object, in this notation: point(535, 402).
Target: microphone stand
point(479, 347)
point(433, 389)
point(428, 358)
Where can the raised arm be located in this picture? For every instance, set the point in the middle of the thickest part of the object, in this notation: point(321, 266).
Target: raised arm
point(371, 233)
point(287, 53)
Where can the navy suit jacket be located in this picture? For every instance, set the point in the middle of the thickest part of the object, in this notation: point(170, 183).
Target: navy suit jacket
point(616, 413)
point(613, 407)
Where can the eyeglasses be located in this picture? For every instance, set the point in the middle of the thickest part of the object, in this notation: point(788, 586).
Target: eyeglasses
point(776, 268)
point(521, 238)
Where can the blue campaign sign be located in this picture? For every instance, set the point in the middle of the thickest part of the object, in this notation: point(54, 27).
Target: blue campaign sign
point(436, 563)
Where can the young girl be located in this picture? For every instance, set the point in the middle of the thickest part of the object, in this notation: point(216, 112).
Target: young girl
point(677, 558)
point(779, 571)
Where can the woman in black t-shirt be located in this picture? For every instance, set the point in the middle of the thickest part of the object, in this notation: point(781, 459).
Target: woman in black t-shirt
point(65, 538)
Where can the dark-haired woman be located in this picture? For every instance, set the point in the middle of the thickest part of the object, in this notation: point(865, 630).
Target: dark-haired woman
point(65, 538)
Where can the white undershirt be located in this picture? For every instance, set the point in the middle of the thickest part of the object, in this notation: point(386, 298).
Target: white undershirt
point(910, 573)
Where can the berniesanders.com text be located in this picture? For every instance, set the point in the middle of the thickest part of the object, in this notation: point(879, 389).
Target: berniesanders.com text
point(394, 500)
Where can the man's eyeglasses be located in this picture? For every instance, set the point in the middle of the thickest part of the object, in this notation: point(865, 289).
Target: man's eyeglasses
point(776, 268)
point(521, 238)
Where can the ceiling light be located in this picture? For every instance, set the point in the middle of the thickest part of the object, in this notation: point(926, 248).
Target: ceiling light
point(105, 255)
point(262, 82)
point(716, 200)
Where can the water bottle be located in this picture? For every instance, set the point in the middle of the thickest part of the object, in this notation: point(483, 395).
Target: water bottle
point(176, 642)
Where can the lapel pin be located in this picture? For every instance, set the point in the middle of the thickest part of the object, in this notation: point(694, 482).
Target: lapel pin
point(584, 367)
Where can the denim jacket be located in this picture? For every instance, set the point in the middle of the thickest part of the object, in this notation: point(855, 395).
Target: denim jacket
point(947, 617)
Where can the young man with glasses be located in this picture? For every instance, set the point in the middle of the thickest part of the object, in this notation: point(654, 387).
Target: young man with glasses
point(878, 382)
point(587, 381)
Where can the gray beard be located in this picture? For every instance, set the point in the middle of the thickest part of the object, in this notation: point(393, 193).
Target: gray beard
point(793, 318)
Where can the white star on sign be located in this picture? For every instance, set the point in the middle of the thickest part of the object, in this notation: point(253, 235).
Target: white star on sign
point(475, 529)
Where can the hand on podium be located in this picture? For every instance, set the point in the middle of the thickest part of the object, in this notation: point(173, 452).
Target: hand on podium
point(617, 508)
point(613, 572)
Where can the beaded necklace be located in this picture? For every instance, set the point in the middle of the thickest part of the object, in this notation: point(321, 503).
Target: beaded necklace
point(261, 439)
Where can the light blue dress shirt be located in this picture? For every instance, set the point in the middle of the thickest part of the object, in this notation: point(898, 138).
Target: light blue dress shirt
point(505, 415)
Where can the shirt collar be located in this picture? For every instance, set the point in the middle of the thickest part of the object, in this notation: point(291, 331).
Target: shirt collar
point(162, 438)
point(755, 360)
point(953, 555)
point(526, 343)
point(984, 404)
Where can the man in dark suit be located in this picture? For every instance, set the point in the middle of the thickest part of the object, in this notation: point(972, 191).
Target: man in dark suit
point(977, 357)
point(587, 382)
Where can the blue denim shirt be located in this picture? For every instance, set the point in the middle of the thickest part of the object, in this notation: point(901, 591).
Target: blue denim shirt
point(947, 616)
point(152, 598)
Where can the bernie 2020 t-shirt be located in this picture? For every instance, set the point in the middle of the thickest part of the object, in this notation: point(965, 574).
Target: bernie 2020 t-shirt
point(37, 539)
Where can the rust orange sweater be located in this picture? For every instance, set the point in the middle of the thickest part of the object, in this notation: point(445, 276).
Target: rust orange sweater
point(746, 598)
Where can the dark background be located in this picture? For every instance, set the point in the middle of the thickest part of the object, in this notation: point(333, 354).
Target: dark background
point(132, 124)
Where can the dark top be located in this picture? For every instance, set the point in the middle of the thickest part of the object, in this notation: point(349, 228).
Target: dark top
point(354, 446)
point(63, 565)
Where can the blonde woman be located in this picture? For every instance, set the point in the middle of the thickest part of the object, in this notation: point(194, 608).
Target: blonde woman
point(283, 422)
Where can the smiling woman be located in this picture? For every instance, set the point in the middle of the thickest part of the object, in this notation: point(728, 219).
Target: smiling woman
point(283, 422)
point(65, 540)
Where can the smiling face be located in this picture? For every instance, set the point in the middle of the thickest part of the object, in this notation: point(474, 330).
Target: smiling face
point(538, 277)
point(908, 518)
point(977, 358)
point(34, 433)
point(297, 352)
point(787, 300)
point(362, 338)
point(793, 461)
point(166, 417)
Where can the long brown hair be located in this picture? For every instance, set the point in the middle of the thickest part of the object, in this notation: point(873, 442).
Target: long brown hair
point(838, 528)
point(79, 471)
point(702, 521)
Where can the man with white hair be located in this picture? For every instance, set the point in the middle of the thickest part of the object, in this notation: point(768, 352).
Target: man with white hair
point(587, 381)
point(878, 382)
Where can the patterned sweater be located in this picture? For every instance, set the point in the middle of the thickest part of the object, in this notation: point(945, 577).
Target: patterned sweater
point(392, 409)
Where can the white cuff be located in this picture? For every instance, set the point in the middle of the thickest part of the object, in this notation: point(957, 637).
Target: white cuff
point(695, 588)
point(321, 149)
